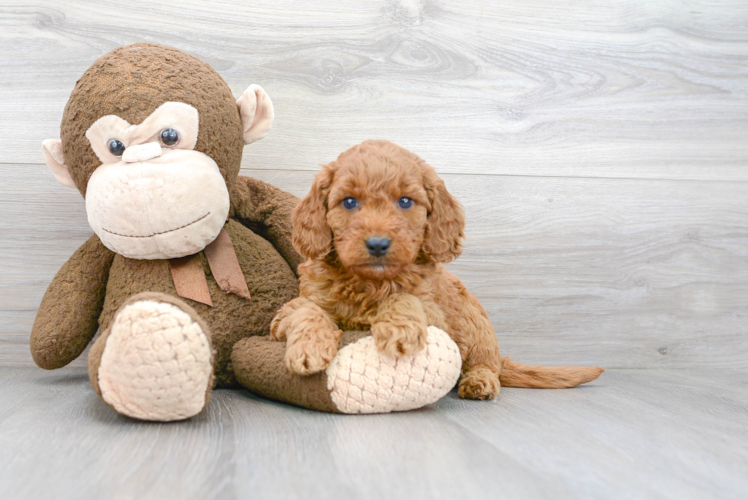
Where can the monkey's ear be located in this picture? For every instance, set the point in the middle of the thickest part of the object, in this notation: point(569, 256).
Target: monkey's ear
point(256, 110)
point(55, 160)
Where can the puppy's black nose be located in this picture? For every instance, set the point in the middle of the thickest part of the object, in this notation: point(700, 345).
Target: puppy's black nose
point(377, 245)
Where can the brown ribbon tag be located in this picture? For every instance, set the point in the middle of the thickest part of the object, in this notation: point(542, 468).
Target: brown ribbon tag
point(189, 276)
point(225, 266)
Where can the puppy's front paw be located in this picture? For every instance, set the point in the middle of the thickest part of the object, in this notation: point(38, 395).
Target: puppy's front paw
point(399, 338)
point(479, 383)
point(310, 355)
point(278, 326)
point(291, 314)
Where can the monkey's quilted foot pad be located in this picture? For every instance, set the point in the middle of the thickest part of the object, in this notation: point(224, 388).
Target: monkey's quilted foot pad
point(156, 364)
point(363, 380)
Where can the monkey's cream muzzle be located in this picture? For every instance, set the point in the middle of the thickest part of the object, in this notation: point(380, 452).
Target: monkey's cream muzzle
point(168, 206)
point(154, 202)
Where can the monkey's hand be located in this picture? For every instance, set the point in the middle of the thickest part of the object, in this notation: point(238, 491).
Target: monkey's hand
point(68, 317)
point(266, 210)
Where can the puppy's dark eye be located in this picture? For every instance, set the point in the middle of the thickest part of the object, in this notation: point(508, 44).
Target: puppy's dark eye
point(116, 147)
point(169, 137)
point(404, 202)
point(350, 203)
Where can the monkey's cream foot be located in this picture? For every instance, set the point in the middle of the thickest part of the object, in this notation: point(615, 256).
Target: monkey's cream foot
point(479, 383)
point(157, 361)
point(362, 379)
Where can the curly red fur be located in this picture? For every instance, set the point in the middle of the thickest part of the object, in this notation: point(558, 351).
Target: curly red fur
point(398, 294)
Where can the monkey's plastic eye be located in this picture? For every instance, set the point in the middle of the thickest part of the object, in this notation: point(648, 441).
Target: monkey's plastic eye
point(169, 137)
point(116, 147)
point(350, 203)
point(404, 202)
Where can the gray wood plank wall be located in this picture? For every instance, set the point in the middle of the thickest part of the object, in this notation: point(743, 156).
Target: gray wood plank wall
point(600, 149)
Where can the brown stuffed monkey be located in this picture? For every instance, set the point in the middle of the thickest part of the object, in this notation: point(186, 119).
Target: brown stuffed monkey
point(190, 262)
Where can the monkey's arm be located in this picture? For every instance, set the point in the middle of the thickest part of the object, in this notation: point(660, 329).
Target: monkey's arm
point(266, 210)
point(68, 317)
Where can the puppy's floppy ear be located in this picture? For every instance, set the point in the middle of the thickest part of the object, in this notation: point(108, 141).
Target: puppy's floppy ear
point(312, 236)
point(446, 220)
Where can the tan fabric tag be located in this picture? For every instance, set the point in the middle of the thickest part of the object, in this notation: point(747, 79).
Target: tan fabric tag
point(225, 266)
point(189, 278)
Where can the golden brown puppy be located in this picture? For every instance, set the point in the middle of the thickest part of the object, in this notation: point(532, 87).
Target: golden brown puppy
point(375, 228)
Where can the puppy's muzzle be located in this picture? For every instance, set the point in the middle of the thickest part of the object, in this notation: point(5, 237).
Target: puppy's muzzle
point(377, 245)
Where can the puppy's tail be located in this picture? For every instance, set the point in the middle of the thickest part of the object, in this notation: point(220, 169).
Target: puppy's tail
point(545, 377)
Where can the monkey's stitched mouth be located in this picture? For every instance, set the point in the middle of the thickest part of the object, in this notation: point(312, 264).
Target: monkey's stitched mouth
point(156, 234)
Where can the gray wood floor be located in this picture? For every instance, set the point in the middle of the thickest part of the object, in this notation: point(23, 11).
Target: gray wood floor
point(643, 434)
point(601, 152)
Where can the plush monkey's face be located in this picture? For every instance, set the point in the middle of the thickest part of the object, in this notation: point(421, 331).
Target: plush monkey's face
point(156, 173)
point(153, 196)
